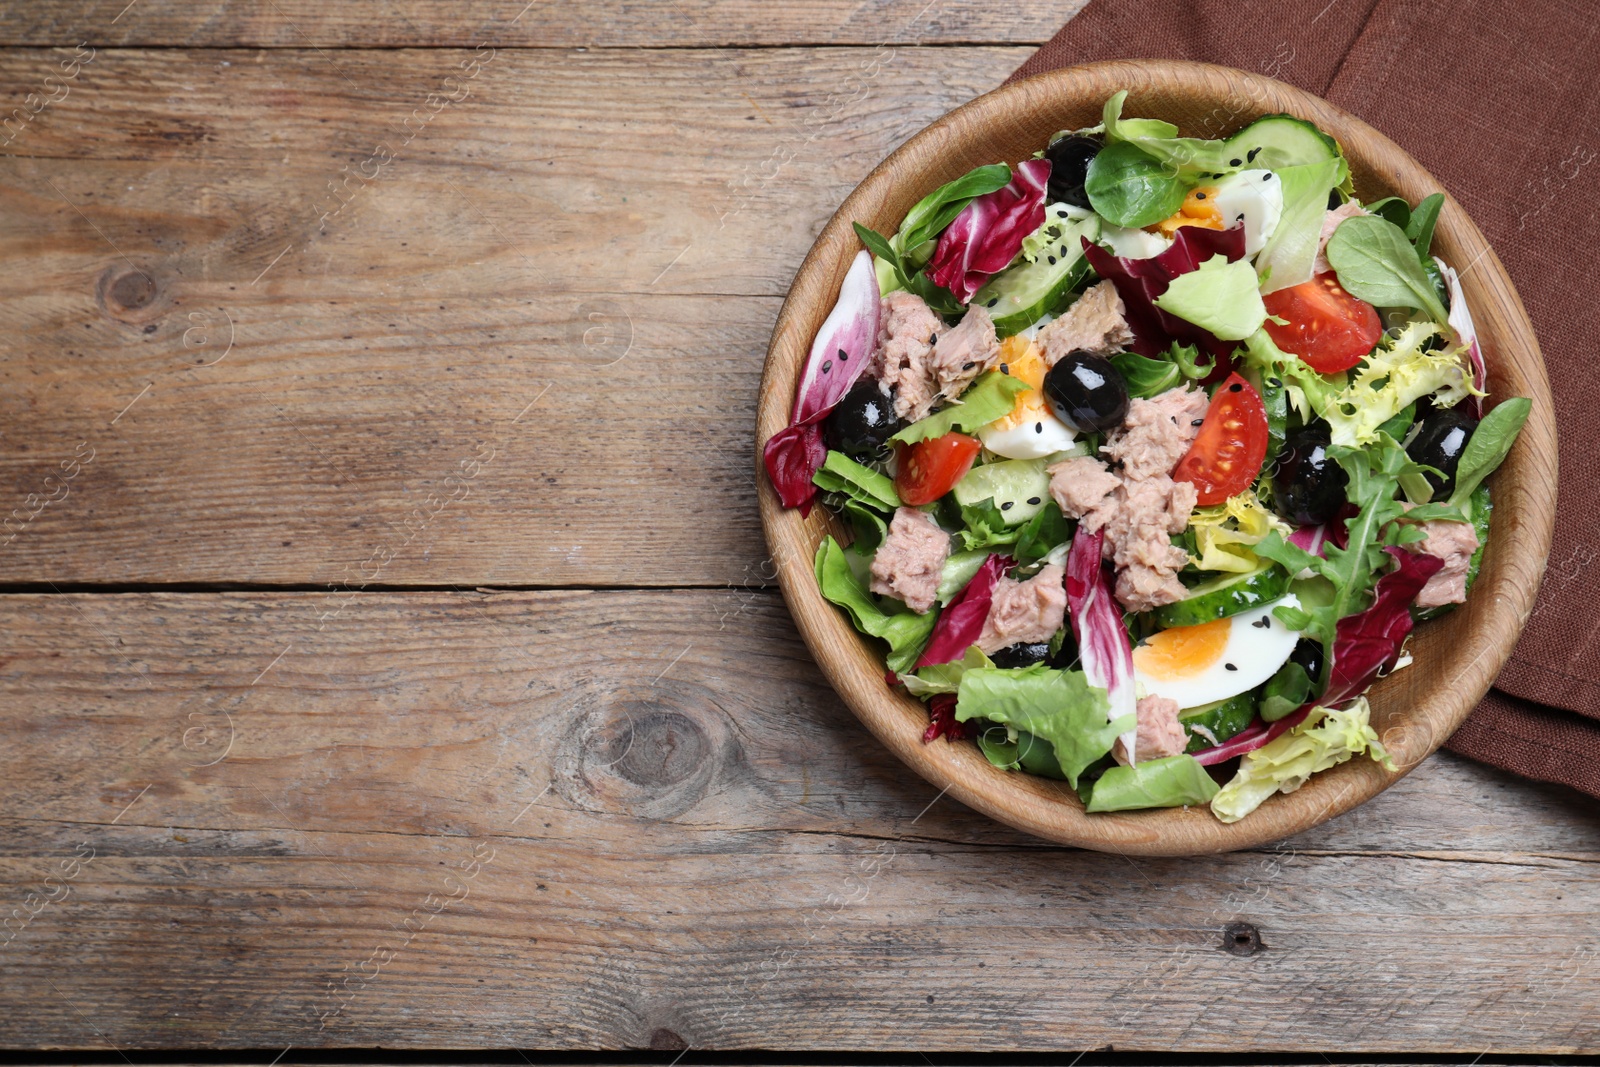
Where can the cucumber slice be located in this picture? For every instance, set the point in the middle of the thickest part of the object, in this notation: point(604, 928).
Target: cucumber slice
point(1019, 487)
point(1274, 141)
point(1225, 595)
point(1221, 720)
point(1024, 292)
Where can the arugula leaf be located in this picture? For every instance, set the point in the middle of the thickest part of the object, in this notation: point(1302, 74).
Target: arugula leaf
point(1488, 445)
point(1128, 187)
point(1157, 783)
point(884, 252)
point(1219, 296)
point(841, 474)
point(905, 631)
point(1047, 529)
point(1376, 262)
point(984, 526)
point(1060, 707)
point(992, 395)
point(1374, 473)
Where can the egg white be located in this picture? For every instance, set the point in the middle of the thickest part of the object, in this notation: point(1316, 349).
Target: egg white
point(1256, 651)
point(1034, 439)
point(1257, 196)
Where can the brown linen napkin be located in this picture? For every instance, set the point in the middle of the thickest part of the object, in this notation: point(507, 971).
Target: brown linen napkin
point(1521, 155)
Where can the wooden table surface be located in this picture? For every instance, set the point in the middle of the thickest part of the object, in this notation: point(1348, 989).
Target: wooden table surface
point(390, 656)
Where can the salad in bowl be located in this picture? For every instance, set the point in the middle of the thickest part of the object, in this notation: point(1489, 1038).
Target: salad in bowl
point(1152, 449)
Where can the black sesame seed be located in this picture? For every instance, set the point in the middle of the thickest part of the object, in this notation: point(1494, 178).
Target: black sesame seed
point(1004, 369)
point(968, 365)
point(1197, 422)
point(1263, 623)
point(1038, 427)
point(1268, 176)
point(827, 365)
point(933, 338)
point(1062, 251)
point(1199, 196)
point(1251, 155)
point(1239, 217)
point(1230, 666)
point(1052, 260)
point(1235, 162)
point(1007, 505)
point(1235, 387)
point(1033, 500)
point(842, 354)
point(993, 302)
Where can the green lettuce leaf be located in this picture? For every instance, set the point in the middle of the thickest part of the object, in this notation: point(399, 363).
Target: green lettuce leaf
point(841, 474)
point(1325, 739)
point(992, 395)
point(944, 677)
point(1290, 251)
point(1060, 707)
point(905, 631)
point(1159, 783)
point(1218, 296)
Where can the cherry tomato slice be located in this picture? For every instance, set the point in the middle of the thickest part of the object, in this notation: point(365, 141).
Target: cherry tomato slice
point(1227, 453)
point(929, 469)
point(1328, 328)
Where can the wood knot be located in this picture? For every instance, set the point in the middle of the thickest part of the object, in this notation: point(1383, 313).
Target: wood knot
point(129, 295)
point(1242, 939)
point(651, 750)
point(657, 748)
point(664, 1040)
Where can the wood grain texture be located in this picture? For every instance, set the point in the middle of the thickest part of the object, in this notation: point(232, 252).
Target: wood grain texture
point(1457, 657)
point(384, 334)
point(723, 855)
point(518, 24)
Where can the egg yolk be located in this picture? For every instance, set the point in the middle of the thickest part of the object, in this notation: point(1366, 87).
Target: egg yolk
point(1199, 209)
point(1183, 651)
point(1022, 360)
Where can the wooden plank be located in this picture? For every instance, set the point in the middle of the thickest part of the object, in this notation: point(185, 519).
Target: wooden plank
point(715, 853)
point(514, 24)
point(303, 375)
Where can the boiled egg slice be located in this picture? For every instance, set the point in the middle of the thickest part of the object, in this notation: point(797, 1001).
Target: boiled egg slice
point(1197, 665)
point(1030, 431)
point(1254, 197)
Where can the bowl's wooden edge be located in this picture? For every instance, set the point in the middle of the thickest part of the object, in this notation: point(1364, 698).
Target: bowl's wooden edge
point(1516, 557)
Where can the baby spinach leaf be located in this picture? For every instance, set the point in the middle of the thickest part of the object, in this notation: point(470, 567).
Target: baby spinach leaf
point(1377, 263)
point(1128, 187)
point(928, 218)
point(1393, 208)
point(1146, 377)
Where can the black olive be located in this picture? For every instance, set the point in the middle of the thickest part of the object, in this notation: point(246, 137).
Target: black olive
point(1086, 392)
point(1308, 654)
point(1022, 655)
point(1069, 158)
point(1440, 438)
point(1308, 487)
point(861, 424)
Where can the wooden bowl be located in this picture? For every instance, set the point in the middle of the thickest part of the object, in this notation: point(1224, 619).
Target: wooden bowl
point(1456, 657)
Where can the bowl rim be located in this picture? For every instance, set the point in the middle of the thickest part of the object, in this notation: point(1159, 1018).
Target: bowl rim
point(1493, 617)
